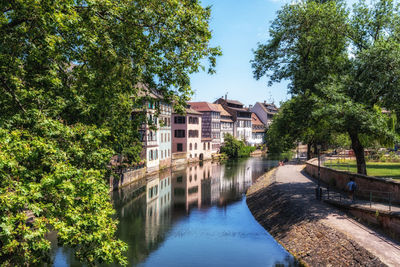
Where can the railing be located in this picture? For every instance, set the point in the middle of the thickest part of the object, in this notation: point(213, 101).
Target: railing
point(367, 198)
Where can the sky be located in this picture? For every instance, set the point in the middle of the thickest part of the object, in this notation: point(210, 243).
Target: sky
point(237, 27)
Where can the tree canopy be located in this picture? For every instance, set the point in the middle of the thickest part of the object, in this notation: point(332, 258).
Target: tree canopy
point(69, 71)
point(345, 63)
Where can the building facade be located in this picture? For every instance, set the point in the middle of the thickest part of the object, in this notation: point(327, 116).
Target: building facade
point(165, 140)
point(241, 118)
point(147, 108)
point(258, 131)
point(265, 112)
point(226, 122)
point(210, 123)
point(186, 135)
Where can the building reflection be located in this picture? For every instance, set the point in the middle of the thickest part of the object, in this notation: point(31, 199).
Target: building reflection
point(167, 197)
point(147, 210)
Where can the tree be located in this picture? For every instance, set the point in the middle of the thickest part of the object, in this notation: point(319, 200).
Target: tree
point(352, 79)
point(371, 83)
point(69, 72)
point(234, 148)
point(290, 127)
point(306, 46)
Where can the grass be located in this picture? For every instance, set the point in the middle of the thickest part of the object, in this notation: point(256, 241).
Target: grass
point(377, 169)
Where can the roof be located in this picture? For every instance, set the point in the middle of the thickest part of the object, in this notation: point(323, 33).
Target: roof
point(240, 109)
point(234, 102)
point(192, 111)
point(144, 91)
point(255, 120)
point(203, 106)
point(269, 108)
point(222, 110)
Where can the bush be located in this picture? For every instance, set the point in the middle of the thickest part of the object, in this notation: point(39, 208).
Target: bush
point(234, 148)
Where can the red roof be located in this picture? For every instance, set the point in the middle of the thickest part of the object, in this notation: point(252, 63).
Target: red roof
point(203, 106)
point(222, 110)
point(255, 120)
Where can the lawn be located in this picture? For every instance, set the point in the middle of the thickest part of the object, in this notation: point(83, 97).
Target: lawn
point(378, 169)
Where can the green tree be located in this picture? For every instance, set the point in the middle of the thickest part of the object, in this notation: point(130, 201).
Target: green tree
point(235, 148)
point(350, 79)
point(355, 100)
point(306, 46)
point(69, 71)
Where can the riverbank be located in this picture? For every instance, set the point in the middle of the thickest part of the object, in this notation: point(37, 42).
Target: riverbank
point(283, 202)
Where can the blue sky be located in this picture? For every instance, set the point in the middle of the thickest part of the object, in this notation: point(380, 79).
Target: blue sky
point(237, 26)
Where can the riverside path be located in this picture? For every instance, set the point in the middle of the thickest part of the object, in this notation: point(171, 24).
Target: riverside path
point(315, 232)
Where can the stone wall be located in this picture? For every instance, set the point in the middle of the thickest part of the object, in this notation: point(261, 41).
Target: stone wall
point(389, 221)
point(126, 177)
point(339, 179)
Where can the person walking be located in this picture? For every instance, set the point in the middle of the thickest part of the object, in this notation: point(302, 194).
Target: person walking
point(351, 188)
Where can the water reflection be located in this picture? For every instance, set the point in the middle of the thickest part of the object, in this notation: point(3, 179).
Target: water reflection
point(195, 215)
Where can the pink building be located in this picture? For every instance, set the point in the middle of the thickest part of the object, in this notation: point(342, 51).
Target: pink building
point(186, 135)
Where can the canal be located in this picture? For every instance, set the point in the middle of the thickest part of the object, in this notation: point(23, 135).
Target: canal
point(193, 216)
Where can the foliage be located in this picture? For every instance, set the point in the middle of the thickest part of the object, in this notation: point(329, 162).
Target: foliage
point(344, 63)
point(69, 76)
point(306, 46)
point(234, 148)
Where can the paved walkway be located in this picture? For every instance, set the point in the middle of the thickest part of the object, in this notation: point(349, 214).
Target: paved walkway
point(299, 190)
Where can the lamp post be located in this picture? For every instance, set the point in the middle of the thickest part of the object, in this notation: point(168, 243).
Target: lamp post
point(319, 191)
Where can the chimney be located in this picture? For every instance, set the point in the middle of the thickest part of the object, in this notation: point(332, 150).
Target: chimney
point(265, 102)
point(250, 106)
point(226, 96)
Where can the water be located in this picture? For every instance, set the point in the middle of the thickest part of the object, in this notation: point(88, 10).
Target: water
point(195, 216)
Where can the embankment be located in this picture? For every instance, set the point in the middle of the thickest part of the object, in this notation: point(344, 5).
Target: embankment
point(287, 210)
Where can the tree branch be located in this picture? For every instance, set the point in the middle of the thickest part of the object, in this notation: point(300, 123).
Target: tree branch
point(8, 90)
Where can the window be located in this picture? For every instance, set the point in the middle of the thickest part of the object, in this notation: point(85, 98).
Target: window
point(179, 179)
point(162, 154)
point(169, 122)
point(193, 190)
point(195, 155)
point(193, 133)
point(195, 146)
point(162, 139)
point(179, 133)
point(179, 120)
point(179, 192)
point(151, 155)
point(179, 147)
point(169, 137)
point(204, 146)
point(169, 152)
point(193, 120)
point(208, 146)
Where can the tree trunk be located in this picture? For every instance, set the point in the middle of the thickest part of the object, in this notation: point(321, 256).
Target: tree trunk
point(359, 153)
point(308, 151)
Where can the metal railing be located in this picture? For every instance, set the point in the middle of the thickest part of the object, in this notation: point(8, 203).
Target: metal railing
point(368, 198)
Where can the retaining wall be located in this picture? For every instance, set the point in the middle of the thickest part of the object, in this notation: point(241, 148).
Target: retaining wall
point(339, 179)
point(389, 221)
point(126, 177)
